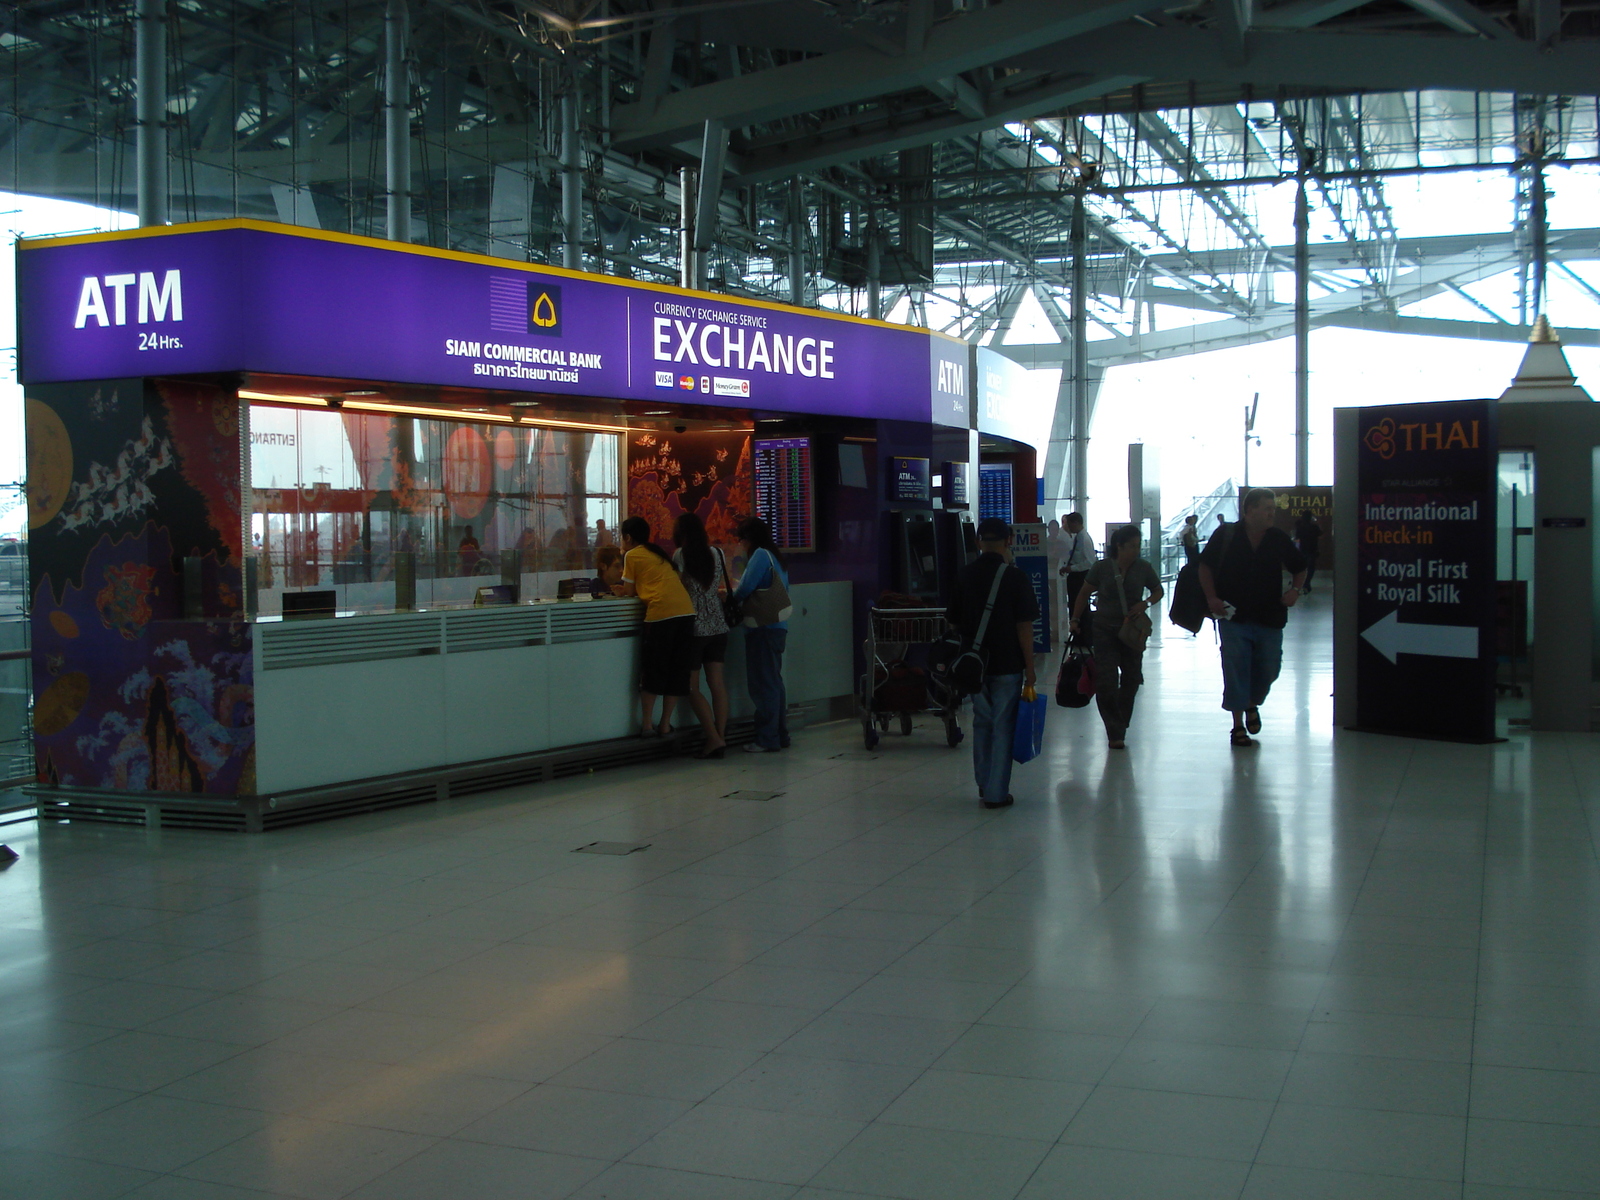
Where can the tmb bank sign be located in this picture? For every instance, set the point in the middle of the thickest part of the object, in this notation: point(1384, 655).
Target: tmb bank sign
point(247, 296)
point(1425, 600)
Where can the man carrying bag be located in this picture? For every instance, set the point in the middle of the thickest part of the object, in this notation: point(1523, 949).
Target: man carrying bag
point(994, 610)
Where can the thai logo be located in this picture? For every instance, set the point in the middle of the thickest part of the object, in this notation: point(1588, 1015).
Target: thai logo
point(1380, 439)
point(544, 309)
point(1388, 437)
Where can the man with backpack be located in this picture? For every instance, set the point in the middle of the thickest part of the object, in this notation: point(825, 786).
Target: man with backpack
point(1241, 571)
point(994, 610)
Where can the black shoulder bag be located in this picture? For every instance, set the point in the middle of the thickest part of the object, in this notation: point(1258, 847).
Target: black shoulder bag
point(968, 670)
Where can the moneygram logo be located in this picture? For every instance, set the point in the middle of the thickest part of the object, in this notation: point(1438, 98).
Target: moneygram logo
point(723, 386)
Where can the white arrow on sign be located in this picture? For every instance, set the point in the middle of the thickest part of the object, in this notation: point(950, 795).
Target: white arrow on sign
point(1391, 638)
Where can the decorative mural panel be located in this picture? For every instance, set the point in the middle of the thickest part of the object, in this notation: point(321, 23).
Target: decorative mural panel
point(141, 654)
point(707, 473)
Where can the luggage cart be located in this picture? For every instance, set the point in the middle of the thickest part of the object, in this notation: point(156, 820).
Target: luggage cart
point(893, 685)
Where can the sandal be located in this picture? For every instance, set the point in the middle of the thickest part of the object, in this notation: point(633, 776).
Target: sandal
point(1242, 738)
point(1252, 720)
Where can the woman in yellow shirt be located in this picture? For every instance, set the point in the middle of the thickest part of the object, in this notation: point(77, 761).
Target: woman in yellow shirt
point(666, 645)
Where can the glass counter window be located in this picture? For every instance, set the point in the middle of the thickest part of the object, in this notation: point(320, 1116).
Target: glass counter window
point(395, 512)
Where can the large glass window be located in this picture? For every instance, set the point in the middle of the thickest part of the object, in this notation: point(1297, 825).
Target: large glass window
point(395, 511)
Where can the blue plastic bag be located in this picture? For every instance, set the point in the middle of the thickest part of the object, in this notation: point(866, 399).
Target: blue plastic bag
point(1029, 738)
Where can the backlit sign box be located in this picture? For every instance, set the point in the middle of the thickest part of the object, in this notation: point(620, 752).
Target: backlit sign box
point(250, 296)
point(1425, 596)
point(910, 481)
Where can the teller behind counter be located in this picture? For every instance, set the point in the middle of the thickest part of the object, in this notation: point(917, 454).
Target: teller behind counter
point(607, 572)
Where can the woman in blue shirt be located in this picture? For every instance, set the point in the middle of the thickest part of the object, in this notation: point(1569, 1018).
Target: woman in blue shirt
point(763, 644)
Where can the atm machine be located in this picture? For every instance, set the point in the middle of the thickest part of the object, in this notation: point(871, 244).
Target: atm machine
point(957, 541)
point(914, 550)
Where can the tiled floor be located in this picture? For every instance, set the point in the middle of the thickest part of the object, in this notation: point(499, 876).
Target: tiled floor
point(1335, 966)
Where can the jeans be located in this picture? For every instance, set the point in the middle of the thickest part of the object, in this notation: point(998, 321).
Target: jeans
point(763, 675)
point(994, 729)
point(1118, 676)
point(1252, 655)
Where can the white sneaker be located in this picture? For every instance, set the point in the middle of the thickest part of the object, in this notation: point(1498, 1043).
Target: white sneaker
point(757, 748)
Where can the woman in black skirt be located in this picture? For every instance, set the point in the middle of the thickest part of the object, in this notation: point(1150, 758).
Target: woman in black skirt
point(666, 643)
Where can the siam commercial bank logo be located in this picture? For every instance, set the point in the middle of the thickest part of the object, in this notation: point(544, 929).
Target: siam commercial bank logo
point(103, 299)
point(544, 309)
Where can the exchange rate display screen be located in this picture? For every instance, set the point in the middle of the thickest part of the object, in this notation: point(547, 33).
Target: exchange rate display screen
point(785, 490)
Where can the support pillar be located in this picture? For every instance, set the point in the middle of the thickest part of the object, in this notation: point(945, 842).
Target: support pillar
point(1302, 335)
point(713, 149)
point(571, 183)
point(874, 274)
point(1539, 231)
point(150, 110)
point(1081, 414)
point(686, 206)
point(397, 120)
point(797, 242)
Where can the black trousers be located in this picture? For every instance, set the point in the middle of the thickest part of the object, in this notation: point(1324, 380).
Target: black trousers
point(1074, 586)
point(1118, 674)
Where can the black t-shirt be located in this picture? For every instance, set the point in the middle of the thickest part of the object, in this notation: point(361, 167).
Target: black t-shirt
point(1252, 579)
point(1014, 603)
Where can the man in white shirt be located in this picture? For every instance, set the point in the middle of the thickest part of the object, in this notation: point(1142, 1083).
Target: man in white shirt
point(1077, 555)
point(1055, 545)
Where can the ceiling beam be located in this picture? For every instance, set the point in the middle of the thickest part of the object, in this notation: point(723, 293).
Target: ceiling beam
point(860, 73)
point(1462, 16)
point(1336, 61)
point(882, 131)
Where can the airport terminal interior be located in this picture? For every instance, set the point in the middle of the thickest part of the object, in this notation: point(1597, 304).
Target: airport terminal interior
point(357, 348)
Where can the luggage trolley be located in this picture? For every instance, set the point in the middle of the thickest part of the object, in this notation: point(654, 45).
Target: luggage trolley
point(893, 684)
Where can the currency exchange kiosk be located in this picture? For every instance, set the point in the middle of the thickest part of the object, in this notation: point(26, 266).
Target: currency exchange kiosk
point(313, 517)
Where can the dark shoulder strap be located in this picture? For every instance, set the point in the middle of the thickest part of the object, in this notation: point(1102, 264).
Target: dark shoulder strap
point(988, 607)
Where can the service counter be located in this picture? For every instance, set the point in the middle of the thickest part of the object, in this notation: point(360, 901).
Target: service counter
point(344, 699)
point(475, 428)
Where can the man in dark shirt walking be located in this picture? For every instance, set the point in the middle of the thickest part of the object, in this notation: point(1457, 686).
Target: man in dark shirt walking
point(1007, 647)
point(1241, 572)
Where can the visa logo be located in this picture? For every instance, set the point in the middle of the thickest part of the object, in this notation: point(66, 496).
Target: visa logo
point(155, 303)
point(666, 379)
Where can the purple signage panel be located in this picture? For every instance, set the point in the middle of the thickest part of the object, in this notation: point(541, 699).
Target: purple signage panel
point(948, 363)
point(241, 295)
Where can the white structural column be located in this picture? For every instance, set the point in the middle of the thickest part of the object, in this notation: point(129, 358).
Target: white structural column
point(1302, 334)
point(1082, 411)
point(150, 109)
point(397, 120)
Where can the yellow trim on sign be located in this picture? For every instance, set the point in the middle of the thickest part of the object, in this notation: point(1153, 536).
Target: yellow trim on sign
point(504, 264)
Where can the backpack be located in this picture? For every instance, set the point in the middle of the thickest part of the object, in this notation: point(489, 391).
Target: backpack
point(1188, 609)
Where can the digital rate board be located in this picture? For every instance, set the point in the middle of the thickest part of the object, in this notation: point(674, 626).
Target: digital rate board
point(785, 490)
